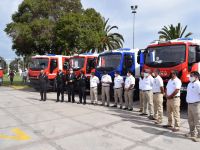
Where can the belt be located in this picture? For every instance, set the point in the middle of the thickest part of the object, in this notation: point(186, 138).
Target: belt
point(94, 87)
point(157, 93)
point(194, 103)
point(118, 88)
point(176, 97)
point(146, 90)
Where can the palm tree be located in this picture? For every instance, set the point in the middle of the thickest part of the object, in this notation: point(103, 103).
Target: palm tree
point(173, 32)
point(110, 41)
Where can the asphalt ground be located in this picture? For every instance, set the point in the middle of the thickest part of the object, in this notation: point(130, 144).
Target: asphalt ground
point(29, 124)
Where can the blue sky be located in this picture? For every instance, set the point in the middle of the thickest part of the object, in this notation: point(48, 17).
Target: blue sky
point(151, 16)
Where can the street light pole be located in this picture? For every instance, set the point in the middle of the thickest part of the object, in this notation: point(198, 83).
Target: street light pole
point(134, 8)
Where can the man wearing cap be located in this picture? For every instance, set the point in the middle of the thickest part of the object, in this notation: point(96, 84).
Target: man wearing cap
point(118, 89)
point(60, 82)
point(94, 81)
point(193, 100)
point(71, 78)
point(106, 80)
point(173, 101)
point(158, 91)
point(128, 91)
point(148, 95)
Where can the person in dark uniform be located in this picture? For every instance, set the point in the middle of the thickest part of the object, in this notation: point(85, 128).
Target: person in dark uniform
point(71, 78)
point(43, 82)
point(60, 82)
point(81, 88)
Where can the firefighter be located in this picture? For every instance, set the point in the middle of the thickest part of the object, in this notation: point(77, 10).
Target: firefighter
point(128, 91)
point(60, 82)
point(71, 79)
point(193, 100)
point(81, 88)
point(118, 89)
point(158, 91)
point(106, 80)
point(94, 81)
point(173, 101)
point(43, 82)
point(148, 95)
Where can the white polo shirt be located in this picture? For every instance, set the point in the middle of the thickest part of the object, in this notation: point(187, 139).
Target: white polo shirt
point(94, 81)
point(193, 92)
point(129, 81)
point(148, 83)
point(172, 85)
point(106, 78)
point(118, 81)
point(157, 84)
point(141, 84)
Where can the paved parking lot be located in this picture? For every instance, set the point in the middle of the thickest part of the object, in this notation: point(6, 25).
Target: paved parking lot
point(29, 124)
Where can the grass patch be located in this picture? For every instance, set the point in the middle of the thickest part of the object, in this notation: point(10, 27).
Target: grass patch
point(17, 82)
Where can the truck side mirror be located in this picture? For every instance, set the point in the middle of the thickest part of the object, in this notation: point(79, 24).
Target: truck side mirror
point(198, 53)
point(66, 65)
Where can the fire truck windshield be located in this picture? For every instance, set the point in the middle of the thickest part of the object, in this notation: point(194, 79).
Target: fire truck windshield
point(109, 62)
point(39, 63)
point(77, 63)
point(165, 56)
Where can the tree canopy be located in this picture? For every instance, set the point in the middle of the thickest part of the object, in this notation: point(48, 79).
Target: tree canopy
point(173, 32)
point(49, 26)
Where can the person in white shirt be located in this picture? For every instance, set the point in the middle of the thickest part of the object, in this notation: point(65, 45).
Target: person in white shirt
point(141, 91)
point(158, 91)
point(148, 95)
point(128, 91)
point(118, 89)
point(173, 101)
point(94, 81)
point(106, 80)
point(24, 75)
point(193, 100)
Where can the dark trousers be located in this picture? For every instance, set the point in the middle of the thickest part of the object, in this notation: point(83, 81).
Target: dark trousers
point(43, 94)
point(60, 91)
point(11, 81)
point(82, 95)
point(71, 93)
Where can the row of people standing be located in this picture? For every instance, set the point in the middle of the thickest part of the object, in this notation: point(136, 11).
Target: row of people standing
point(151, 95)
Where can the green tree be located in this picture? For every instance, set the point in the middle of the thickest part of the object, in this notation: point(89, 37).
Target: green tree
point(33, 27)
point(173, 32)
point(110, 41)
point(79, 32)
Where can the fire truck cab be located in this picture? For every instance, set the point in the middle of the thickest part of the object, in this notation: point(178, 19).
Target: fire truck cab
point(50, 64)
point(85, 62)
point(181, 54)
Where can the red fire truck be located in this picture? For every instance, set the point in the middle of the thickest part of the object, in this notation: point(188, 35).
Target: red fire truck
point(181, 54)
point(84, 62)
point(51, 64)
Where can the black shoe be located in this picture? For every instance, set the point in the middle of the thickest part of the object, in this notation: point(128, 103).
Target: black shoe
point(102, 105)
point(167, 126)
point(143, 114)
point(107, 105)
point(114, 106)
point(62, 101)
point(151, 117)
point(125, 108)
point(84, 103)
point(79, 103)
point(41, 100)
point(73, 101)
point(57, 101)
point(131, 109)
point(120, 107)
